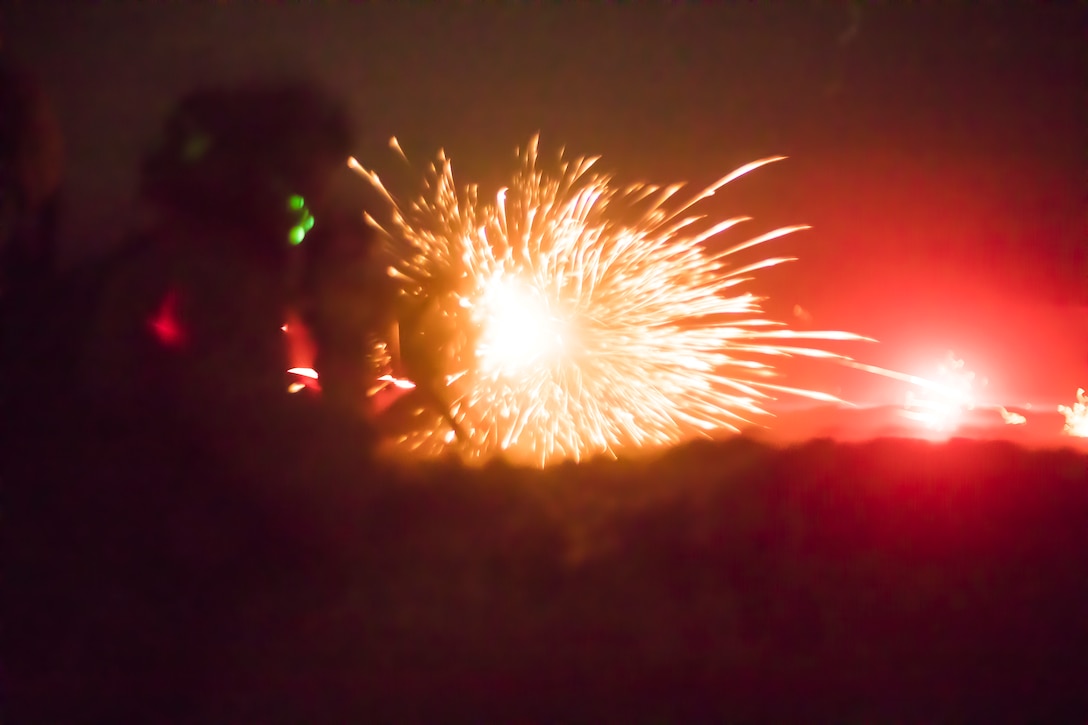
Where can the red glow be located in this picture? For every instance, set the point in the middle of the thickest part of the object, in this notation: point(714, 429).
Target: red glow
point(300, 355)
point(300, 346)
point(165, 324)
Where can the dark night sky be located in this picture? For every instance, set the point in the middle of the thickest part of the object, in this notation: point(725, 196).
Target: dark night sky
point(940, 153)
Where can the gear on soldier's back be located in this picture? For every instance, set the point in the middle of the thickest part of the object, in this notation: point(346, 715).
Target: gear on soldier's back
point(258, 157)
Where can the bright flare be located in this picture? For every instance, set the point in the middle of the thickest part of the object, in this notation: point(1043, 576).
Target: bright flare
point(941, 405)
point(1076, 417)
point(570, 317)
point(517, 330)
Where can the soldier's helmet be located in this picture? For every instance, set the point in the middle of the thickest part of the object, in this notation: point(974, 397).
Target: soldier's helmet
point(254, 157)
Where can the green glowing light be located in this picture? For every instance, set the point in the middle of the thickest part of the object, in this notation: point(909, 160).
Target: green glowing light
point(295, 202)
point(296, 235)
point(308, 222)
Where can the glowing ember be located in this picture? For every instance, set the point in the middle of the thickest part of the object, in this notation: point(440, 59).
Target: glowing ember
point(1076, 417)
point(1012, 418)
point(573, 318)
point(309, 379)
point(397, 382)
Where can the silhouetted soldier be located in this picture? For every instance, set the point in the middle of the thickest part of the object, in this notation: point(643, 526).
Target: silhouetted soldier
point(192, 317)
point(181, 471)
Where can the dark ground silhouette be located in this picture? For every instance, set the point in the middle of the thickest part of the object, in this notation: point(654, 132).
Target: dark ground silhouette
point(888, 581)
